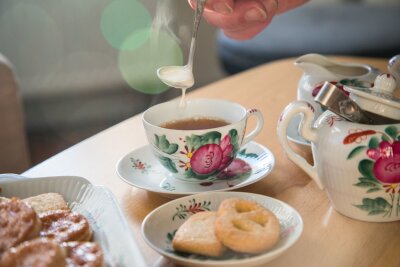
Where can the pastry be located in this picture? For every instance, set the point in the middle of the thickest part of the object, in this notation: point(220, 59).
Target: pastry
point(196, 235)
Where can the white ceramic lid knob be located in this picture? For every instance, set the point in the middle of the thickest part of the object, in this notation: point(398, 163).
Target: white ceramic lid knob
point(385, 83)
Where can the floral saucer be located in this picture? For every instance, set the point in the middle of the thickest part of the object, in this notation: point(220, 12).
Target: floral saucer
point(292, 132)
point(159, 228)
point(141, 169)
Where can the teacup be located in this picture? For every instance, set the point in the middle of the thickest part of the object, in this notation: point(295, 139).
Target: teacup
point(357, 164)
point(199, 155)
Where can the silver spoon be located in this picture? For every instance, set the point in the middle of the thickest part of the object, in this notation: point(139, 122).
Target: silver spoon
point(182, 76)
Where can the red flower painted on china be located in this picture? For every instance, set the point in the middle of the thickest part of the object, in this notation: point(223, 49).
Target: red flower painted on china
point(205, 155)
point(387, 161)
point(380, 170)
point(206, 159)
point(212, 157)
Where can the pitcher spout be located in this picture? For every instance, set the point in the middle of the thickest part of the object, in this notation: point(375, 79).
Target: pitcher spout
point(315, 65)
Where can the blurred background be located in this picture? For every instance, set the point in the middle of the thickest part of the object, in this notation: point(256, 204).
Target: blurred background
point(72, 68)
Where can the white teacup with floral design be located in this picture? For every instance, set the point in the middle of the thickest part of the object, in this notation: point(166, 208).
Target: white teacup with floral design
point(199, 155)
point(357, 164)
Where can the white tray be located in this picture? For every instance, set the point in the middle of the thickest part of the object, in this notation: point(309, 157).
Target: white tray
point(96, 203)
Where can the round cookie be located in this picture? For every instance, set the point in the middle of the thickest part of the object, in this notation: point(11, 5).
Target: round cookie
point(83, 254)
point(39, 252)
point(246, 226)
point(18, 222)
point(64, 226)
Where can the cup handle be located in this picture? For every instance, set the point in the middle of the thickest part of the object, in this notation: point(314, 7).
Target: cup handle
point(260, 123)
point(306, 131)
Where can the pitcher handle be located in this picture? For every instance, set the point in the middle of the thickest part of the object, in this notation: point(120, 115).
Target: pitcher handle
point(259, 125)
point(306, 131)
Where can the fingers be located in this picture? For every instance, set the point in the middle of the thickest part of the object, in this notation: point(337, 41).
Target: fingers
point(240, 19)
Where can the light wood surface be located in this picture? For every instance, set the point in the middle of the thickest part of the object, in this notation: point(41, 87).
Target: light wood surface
point(328, 239)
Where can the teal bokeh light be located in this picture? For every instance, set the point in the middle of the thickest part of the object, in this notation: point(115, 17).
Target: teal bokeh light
point(121, 19)
point(139, 67)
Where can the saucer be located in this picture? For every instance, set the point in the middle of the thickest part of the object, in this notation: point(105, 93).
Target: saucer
point(141, 169)
point(160, 226)
point(292, 132)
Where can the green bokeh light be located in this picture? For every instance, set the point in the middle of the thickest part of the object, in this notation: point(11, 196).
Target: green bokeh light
point(120, 19)
point(139, 67)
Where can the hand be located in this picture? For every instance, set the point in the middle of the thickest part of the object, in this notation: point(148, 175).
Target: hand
point(243, 19)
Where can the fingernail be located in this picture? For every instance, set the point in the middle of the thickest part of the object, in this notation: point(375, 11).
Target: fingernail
point(255, 14)
point(222, 8)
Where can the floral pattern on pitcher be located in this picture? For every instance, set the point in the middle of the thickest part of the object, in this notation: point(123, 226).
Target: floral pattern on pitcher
point(206, 154)
point(380, 170)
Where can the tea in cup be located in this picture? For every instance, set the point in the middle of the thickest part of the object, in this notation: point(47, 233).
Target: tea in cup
point(198, 141)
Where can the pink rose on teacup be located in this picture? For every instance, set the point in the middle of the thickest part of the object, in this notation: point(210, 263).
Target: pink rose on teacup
point(211, 157)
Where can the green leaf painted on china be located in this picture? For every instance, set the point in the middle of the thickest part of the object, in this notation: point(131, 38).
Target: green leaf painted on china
point(243, 153)
point(374, 189)
point(357, 150)
point(391, 131)
point(373, 143)
point(233, 134)
point(365, 167)
point(369, 180)
point(164, 145)
point(353, 82)
point(169, 164)
point(376, 212)
point(190, 174)
point(196, 141)
point(374, 206)
point(365, 184)
point(170, 236)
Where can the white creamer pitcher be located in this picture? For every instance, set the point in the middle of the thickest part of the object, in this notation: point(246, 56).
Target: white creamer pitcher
point(318, 69)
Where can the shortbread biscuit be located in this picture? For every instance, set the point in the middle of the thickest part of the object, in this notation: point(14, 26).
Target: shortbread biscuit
point(18, 222)
point(197, 235)
point(38, 252)
point(246, 226)
point(46, 202)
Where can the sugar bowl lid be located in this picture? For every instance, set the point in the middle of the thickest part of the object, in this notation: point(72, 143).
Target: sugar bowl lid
point(380, 98)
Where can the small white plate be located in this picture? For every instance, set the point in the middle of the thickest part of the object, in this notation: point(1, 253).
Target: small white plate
point(292, 132)
point(96, 203)
point(160, 225)
point(141, 169)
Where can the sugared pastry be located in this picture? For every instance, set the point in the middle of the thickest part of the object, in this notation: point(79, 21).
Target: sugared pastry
point(65, 226)
point(39, 252)
point(18, 222)
point(87, 254)
point(196, 235)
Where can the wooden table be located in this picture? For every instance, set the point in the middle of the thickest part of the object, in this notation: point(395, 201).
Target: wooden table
point(328, 239)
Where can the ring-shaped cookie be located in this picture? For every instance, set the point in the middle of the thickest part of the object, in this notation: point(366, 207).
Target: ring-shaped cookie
point(246, 226)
